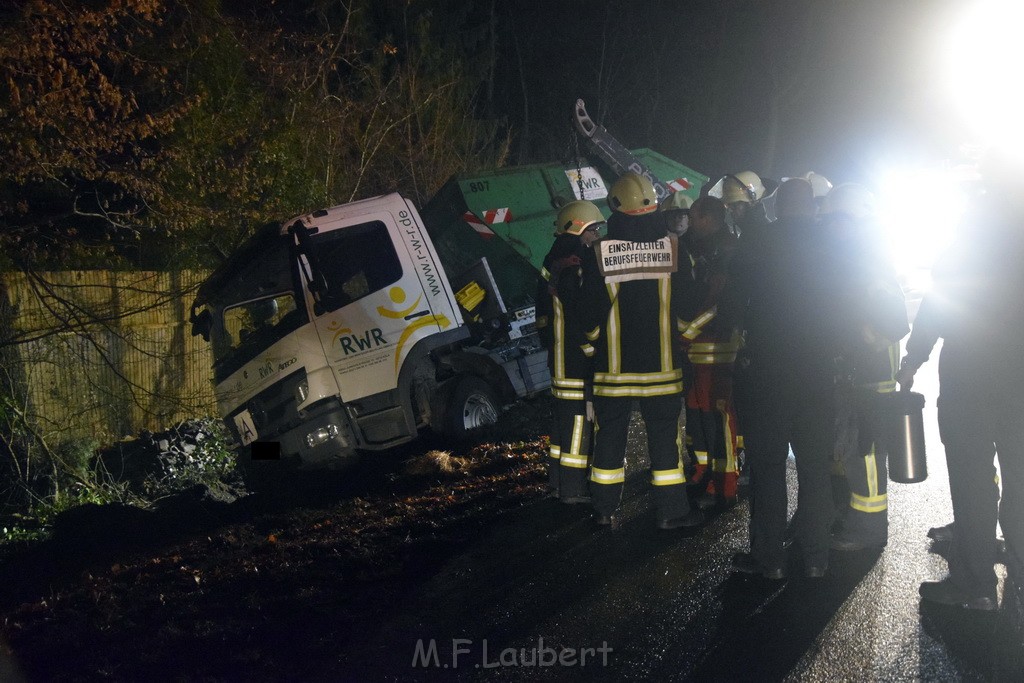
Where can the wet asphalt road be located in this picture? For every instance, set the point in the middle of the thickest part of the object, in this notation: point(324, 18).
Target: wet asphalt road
point(636, 603)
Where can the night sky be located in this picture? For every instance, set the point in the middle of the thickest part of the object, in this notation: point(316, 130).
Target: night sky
point(853, 84)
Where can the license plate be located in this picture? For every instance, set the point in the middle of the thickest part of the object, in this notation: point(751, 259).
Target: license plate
point(246, 427)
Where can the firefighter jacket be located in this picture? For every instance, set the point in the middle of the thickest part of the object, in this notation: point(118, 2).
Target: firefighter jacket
point(558, 317)
point(877, 305)
point(638, 297)
point(875, 368)
point(706, 342)
point(792, 297)
point(754, 222)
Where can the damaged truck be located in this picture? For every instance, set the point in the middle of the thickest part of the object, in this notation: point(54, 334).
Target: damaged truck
point(351, 329)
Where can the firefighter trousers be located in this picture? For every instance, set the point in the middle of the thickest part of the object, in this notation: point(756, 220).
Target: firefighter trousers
point(977, 421)
point(711, 429)
point(570, 448)
point(866, 518)
point(788, 412)
point(664, 445)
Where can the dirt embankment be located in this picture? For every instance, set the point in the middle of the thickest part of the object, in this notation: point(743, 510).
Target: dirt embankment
point(255, 589)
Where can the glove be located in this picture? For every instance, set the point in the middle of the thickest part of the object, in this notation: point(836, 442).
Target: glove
point(905, 375)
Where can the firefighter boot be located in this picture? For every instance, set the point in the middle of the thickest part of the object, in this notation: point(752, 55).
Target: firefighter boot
point(553, 467)
point(727, 488)
point(696, 479)
point(721, 491)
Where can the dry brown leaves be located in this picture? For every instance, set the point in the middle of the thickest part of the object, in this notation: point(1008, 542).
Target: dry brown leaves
point(227, 590)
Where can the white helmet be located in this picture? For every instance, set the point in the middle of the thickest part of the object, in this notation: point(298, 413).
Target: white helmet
point(819, 183)
point(745, 186)
point(577, 216)
point(633, 195)
point(851, 199)
point(675, 202)
point(752, 190)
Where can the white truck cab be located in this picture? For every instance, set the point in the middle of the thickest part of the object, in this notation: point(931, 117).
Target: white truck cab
point(339, 331)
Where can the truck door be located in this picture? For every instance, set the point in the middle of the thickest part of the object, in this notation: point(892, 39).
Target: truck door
point(374, 308)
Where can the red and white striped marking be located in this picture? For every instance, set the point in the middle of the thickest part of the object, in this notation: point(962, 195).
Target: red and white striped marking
point(478, 225)
point(680, 184)
point(493, 216)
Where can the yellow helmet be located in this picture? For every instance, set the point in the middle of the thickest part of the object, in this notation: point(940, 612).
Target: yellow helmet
point(675, 201)
point(633, 195)
point(745, 186)
point(577, 216)
point(856, 201)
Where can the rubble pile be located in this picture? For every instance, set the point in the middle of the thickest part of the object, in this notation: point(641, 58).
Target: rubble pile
point(189, 452)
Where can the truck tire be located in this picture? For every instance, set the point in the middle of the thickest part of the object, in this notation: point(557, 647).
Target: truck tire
point(470, 405)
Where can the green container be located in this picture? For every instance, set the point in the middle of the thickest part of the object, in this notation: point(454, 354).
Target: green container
point(514, 211)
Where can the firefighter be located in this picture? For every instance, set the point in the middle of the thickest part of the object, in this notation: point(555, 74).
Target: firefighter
point(974, 306)
point(793, 206)
point(638, 292)
point(792, 303)
point(870, 365)
point(676, 212)
point(558, 321)
point(711, 431)
point(743, 194)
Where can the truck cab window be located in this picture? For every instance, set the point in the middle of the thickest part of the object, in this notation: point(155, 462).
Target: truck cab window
point(357, 260)
point(255, 320)
point(255, 306)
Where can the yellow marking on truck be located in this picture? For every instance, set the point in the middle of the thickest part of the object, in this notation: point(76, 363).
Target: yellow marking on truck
point(397, 295)
point(338, 332)
point(439, 320)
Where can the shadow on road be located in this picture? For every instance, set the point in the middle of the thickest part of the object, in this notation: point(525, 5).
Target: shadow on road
point(989, 642)
point(665, 602)
point(768, 626)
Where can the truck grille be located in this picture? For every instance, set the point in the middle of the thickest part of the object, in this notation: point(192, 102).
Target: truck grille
point(274, 410)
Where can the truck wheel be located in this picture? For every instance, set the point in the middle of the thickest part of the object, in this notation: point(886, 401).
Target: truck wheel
point(471, 404)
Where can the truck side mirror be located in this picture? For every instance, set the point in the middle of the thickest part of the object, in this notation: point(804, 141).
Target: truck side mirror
point(201, 324)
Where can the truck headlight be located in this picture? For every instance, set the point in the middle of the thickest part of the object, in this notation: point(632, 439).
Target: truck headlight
point(321, 435)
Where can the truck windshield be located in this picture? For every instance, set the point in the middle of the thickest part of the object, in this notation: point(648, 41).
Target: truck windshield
point(255, 307)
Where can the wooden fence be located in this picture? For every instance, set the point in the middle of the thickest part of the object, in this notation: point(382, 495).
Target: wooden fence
point(104, 354)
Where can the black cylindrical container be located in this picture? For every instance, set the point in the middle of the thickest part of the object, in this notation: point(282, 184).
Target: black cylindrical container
point(905, 435)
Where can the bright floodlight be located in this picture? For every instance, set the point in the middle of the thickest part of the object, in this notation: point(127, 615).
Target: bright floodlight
point(917, 230)
point(982, 58)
